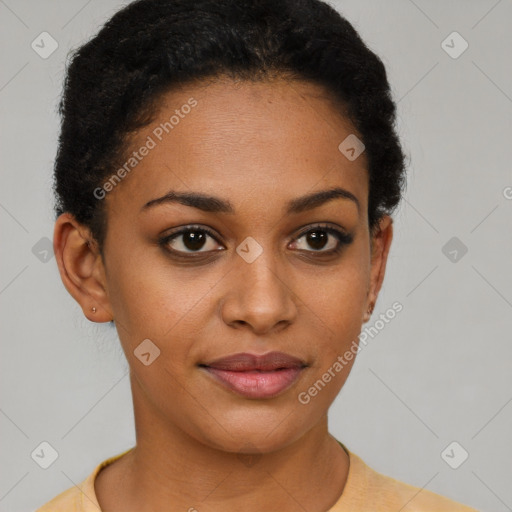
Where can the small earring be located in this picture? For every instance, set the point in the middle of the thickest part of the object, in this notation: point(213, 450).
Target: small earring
point(94, 310)
point(370, 309)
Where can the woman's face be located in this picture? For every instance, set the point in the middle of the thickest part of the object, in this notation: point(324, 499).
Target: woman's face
point(260, 270)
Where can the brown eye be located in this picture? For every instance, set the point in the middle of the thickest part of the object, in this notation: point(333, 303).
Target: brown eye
point(322, 239)
point(191, 240)
point(317, 239)
point(194, 240)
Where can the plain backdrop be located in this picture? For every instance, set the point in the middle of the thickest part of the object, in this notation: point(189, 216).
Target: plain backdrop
point(439, 373)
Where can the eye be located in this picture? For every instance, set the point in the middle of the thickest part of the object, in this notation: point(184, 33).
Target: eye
point(192, 239)
point(322, 239)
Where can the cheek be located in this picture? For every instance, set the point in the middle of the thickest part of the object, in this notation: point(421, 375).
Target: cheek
point(152, 300)
point(335, 307)
point(336, 297)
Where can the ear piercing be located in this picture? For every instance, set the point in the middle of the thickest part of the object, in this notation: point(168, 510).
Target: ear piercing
point(93, 309)
point(369, 311)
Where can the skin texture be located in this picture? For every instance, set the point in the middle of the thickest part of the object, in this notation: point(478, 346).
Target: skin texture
point(257, 145)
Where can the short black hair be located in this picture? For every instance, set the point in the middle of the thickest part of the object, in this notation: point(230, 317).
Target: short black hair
point(114, 81)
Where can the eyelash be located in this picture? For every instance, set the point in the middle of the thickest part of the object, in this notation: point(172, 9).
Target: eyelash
point(342, 237)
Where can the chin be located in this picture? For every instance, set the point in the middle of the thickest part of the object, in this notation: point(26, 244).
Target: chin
point(253, 433)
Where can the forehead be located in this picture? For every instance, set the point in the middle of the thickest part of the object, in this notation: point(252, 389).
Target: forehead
point(276, 139)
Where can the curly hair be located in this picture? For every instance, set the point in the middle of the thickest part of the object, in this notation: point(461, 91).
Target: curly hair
point(114, 81)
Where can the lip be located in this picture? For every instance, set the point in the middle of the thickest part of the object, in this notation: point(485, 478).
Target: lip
point(256, 376)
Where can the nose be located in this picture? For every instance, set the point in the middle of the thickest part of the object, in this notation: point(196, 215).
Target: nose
point(258, 297)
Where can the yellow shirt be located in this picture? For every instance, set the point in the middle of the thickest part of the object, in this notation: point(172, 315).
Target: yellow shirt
point(365, 490)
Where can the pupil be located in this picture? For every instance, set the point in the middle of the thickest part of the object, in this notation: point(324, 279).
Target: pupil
point(317, 239)
point(193, 240)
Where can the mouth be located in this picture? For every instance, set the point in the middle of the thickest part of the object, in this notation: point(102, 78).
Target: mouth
point(256, 376)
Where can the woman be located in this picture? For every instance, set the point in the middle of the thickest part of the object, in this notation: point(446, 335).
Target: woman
point(225, 180)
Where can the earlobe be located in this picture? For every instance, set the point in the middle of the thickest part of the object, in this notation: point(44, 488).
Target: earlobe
point(369, 312)
point(81, 267)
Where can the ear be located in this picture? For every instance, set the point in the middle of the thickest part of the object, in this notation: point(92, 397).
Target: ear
point(81, 267)
point(380, 245)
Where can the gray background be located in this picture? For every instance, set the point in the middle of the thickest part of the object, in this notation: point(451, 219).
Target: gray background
point(439, 372)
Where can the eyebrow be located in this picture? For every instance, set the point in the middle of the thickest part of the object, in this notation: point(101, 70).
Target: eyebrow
point(213, 204)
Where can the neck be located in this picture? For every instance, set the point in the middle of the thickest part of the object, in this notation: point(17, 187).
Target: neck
point(170, 470)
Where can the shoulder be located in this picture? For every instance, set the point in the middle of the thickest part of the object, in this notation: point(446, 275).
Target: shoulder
point(66, 501)
point(80, 498)
point(366, 487)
